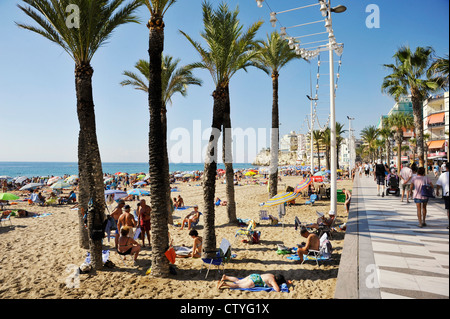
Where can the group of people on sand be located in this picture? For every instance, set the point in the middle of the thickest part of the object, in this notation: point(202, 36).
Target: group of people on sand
point(125, 224)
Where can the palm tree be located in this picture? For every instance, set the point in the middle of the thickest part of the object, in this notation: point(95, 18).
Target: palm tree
point(273, 55)
point(175, 79)
point(400, 122)
point(407, 78)
point(439, 71)
point(339, 139)
point(325, 139)
point(386, 133)
point(369, 135)
point(96, 22)
point(229, 50)
point(317, 135)
point(158, 161)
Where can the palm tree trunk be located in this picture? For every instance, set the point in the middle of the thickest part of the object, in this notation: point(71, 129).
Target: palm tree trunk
point(89, 164)
point(275, 137)
point(228, 161)
point(209, 178)
point(387, 145)
point(158, 176)
point(318, 156)
point(418, 126)
point(166, 165)
point(399, 139)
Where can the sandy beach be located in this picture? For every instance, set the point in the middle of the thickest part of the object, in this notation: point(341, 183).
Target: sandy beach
point(39, 255)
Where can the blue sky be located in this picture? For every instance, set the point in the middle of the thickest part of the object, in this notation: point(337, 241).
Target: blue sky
point(37, 89)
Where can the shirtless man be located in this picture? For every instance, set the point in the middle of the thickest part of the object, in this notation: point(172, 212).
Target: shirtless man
point(144, 223)
point(115, 215)
point(312, 242)
point(127, 219)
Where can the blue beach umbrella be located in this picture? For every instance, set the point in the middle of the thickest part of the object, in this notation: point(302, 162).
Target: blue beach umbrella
point(138, 192)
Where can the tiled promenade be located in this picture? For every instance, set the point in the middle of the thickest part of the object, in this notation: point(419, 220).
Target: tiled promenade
point(386, 255)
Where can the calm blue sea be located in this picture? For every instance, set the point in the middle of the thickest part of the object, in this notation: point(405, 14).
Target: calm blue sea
point(32, 169)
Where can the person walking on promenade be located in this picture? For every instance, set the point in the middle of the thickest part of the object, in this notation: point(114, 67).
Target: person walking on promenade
point(405, 178)
point(380, 178)
point(443, 182)
point(417, 182)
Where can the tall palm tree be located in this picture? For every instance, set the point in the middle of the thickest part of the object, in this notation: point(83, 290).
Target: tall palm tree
point(175, 79)
point(369, 135)
point(400, 122)
point(408, 78)
point(96, 22)
point(273, 55)
point(157, 144)
point(229, 50)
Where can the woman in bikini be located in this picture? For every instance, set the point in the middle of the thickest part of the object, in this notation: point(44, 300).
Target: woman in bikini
point(126, 245)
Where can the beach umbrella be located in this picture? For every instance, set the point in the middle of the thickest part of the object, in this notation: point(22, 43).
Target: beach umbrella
point(71, 179)
point(140, 183)
point(140, 177)
point(138, 192)
point(250, 173)
point(108, 180)
point(178, 175)
point(60, 185)
point(31, 186)
point(8, 196)
point(117, 193)
point(320, 173)
point(303, 184)
point(5, 177)
point(20, 179)
point(53, 180)
point(188, 175)
point(281, 199)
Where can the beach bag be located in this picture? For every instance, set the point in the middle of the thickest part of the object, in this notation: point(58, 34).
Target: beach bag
point(427, 191)
point(255, 237)
point(170, 254)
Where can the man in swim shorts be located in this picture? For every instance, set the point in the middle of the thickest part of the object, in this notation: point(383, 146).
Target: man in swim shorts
point(144, 220)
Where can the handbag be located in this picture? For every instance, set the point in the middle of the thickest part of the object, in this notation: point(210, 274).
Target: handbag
point(170, 254)
point(427, 191)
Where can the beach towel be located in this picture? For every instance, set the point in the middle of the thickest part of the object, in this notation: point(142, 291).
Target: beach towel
point(183, 208)
point(182, 251)
point(306, 257)
point(283, 288)
point(137, 233)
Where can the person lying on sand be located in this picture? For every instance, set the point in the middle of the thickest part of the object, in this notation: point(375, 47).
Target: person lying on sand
point(253, 280)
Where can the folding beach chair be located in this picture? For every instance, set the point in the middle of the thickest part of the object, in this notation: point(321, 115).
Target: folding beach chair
point(248, 232)
point(222, 257)
point(263, 215)
point(312, 199)
point(324, 252)
point(5, 219)
point(193, 225)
